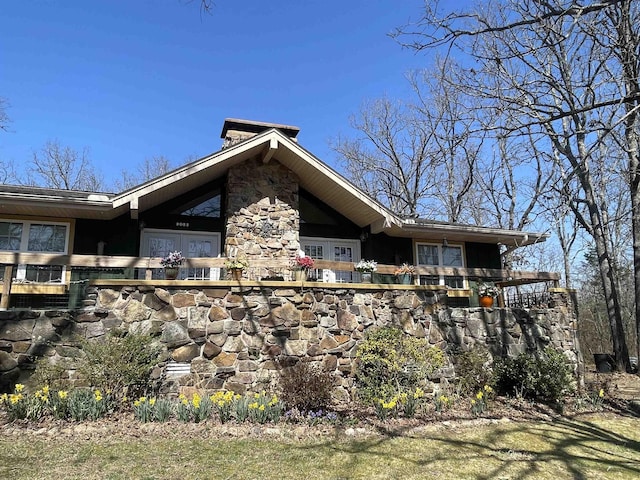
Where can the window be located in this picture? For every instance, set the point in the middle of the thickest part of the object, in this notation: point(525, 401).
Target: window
point(435, 255)
point(35, 237)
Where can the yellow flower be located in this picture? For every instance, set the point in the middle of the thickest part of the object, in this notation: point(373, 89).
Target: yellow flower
point(45, 389)
point(143, 399)
point(601, 393)
point(19, 387)
point(124, 399)
point(15, 398)
point(261, 408)
point(62, 394)
point(152, 401)
point(256, 395)
point(136, 403)
point(253, 405)
point(419, 393)
point(479, 395)
point(4, 397)
point(488, 389)
point(196, 400)
point(221, 403)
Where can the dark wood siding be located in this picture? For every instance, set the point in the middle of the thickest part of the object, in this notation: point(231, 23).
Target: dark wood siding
point(317, 219)
point(482, 255)
point(122, 236)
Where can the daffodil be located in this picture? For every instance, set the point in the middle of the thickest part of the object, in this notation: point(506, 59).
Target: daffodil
point(19, 387)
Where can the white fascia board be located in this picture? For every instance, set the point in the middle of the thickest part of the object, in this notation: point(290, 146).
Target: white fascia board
point(187, 170)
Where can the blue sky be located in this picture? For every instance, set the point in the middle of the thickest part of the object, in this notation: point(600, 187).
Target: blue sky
point(136, 79)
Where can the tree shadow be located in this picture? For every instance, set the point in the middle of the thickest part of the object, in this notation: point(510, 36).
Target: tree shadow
point(578, 446)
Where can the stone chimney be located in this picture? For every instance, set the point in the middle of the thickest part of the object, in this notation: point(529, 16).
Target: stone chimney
point(235, 130)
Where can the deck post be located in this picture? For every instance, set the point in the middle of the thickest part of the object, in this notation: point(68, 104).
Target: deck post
point(6, 287)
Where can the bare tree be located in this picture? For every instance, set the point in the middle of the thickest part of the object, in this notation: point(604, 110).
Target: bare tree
point(62, 167)
point(568, 73)
point(456, 140)
point(393, 159)
point(4, 116)
point(418, 158)
point(148, 169)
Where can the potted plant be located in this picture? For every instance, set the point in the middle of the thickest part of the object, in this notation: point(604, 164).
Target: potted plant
point(486, 293)
point(171, 264)
point(405, 273)
point(237, 265)
point(366, 267)
point(301, 265)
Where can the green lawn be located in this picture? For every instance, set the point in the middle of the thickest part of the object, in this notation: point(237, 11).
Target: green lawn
point(591, 447)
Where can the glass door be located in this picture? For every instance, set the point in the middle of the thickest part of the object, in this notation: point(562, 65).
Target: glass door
point(334, 249)
point(158, 243)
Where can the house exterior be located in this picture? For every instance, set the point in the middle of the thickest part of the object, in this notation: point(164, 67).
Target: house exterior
point(81, 264)
point(263, 197)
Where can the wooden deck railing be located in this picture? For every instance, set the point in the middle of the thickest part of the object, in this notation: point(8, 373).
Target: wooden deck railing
point(258, 268)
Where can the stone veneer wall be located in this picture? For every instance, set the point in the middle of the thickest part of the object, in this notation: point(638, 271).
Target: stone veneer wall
point(232, 336)
point(263, 217)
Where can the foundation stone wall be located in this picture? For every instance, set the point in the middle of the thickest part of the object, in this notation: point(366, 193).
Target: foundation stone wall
point(234, 337)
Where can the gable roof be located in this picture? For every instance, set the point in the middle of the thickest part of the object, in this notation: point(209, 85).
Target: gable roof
point(271, 144)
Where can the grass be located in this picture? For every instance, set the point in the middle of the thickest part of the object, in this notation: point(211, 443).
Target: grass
point(590, 447)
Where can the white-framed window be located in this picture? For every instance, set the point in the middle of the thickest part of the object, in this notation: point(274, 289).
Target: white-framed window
point(437, 255)
point(35, 236)
point(159, 243)
point(335, 249)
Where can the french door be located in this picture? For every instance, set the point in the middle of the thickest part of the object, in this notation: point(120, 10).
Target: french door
point(339, 250)
point(159, 243)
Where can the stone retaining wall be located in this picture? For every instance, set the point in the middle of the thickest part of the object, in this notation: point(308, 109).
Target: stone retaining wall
point(233, 337)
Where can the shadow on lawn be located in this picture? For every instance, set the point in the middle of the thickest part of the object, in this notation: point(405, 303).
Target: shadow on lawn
point(578, 446)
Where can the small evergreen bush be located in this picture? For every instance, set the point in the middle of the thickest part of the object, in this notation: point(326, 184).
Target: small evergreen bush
point(547, 377)
point(305, 387)
point(391, 362)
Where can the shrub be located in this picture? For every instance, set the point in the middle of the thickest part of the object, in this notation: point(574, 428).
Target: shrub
point(55, 375)
point(547, 377)
point(120, 365)
point(473, 370)
point(555, 379)
point(392, 362)
point(305, 387)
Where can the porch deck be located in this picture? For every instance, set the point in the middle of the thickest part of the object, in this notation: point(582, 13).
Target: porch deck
point(277, 273)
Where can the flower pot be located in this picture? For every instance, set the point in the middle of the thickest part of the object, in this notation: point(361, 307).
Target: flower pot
point(301, 275)
point(405, 279)
point(171, 273)
point(486, 302)
point(236, 273)
point(366, 277)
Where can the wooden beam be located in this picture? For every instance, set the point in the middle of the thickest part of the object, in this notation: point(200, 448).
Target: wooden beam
point(6, 287)
point(270, 150)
